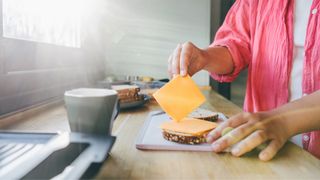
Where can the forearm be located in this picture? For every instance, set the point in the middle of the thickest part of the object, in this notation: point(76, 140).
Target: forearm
point(302, 115)
point(218, 60)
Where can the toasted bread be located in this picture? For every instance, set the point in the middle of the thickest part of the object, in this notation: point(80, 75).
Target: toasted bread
point(204, 114)
point(126, 88)
point(128, 93)
point(183, 138)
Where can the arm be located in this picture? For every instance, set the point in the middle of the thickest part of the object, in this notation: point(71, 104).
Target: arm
point(302, 115)
point(275, 126)
point(221, 60)
point(227, 55)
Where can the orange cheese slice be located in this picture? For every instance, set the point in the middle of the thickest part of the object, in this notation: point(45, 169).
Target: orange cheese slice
point(179, 97)
point(190, 126)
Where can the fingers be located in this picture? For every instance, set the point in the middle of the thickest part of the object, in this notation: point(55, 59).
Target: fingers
point(169, 66)
point(232, 137)
point(249, 143)
point(271, 150)
point(176, 60)
point(180, 60)
point(250, 130)
point(233, 122)
point(186, 54)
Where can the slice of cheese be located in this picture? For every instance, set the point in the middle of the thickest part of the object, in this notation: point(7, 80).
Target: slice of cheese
point(189, 126)
point(179, 97)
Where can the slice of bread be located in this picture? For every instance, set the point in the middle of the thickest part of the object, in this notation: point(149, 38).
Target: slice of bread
point(204, 114)
point(187, 131)
point(128, 93)
point(126, 89)
point(183, 138)
point(139, 97)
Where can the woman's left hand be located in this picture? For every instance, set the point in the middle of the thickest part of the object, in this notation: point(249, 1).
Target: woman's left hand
point(251, 130)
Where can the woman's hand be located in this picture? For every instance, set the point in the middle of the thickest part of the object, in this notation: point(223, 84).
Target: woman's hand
point(189, 59)
point(251, 130)
point(186, 59)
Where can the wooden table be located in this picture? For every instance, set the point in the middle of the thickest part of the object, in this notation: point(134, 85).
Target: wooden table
point(127, 162)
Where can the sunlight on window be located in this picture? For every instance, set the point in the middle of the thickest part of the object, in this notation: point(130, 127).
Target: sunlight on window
point(48, 21)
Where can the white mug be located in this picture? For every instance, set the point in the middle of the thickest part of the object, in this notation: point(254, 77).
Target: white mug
point(91, 110)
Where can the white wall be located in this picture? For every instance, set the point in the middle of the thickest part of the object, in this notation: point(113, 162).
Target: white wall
point(141, 34)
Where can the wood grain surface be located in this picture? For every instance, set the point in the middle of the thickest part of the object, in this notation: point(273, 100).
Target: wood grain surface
point(127, 162)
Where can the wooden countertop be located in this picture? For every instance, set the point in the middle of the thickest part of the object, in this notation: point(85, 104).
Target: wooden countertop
point(127, 162)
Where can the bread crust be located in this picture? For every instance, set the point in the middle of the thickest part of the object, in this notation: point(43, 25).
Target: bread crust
point(211, 118)
point(204, 114)
point(184, 138)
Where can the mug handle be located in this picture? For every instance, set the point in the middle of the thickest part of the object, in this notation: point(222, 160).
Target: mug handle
point(117, 110)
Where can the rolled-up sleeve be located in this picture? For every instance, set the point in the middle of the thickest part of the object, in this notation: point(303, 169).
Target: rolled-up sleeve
point(234, 34)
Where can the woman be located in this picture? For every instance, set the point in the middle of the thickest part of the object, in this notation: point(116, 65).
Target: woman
point(279, 42)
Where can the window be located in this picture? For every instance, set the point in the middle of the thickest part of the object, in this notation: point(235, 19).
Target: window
point(49, 21)
point(43, 51)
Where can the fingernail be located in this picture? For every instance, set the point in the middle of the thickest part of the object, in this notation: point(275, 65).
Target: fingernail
point(212, 134)
point(183, 72)
point(215, 147)
point(209, 138)
point(264, 155)
point(235, 151)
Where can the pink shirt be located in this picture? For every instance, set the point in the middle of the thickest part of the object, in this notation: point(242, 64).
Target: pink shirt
point(259, 35)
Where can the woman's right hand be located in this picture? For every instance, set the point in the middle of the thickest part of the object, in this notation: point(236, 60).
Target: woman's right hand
point(187, 59)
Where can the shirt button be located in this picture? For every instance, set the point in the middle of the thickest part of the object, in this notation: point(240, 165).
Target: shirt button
point(306, 138)
point(314, 11)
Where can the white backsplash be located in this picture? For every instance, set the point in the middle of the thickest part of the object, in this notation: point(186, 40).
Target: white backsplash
point(141, 34)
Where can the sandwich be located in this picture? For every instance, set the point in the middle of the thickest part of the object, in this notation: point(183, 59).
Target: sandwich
point(204, 114)
point(128, 93)
point(187, 131)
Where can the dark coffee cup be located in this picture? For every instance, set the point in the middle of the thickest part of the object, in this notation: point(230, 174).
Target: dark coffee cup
point(91, 110)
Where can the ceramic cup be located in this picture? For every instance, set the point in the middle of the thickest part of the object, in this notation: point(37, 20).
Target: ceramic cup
point(91, 110)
